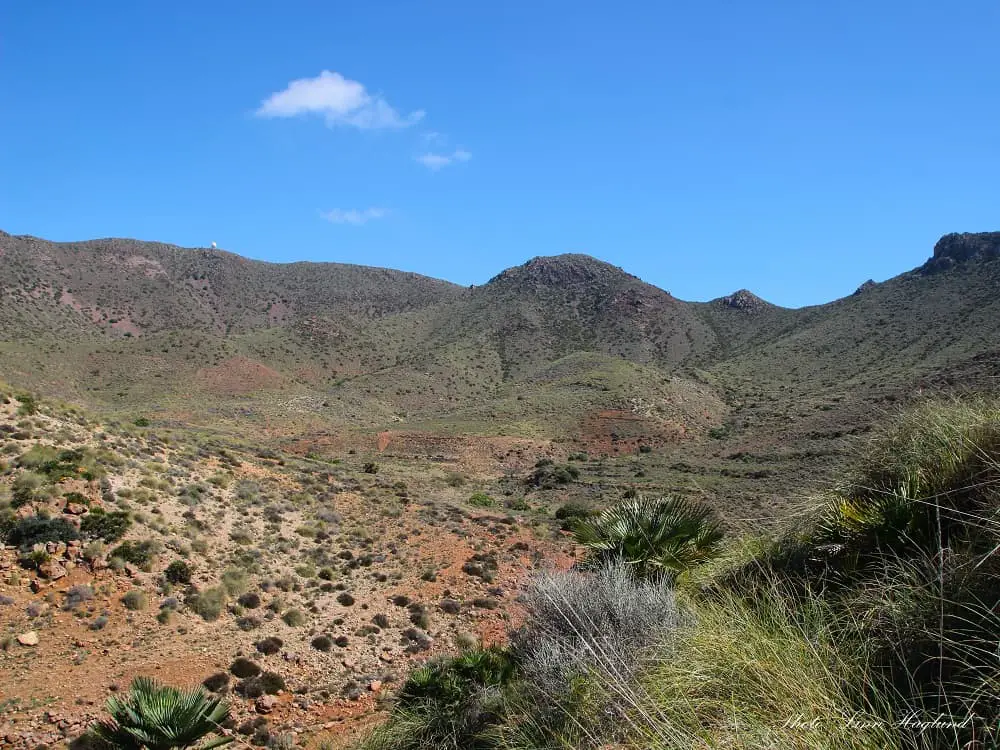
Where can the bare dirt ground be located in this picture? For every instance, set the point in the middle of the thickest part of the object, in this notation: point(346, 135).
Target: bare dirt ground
point(392, 568)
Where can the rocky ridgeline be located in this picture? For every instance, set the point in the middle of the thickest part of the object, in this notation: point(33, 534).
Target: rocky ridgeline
point(959, 248)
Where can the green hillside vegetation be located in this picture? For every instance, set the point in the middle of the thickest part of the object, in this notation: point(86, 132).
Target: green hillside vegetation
point(744, 404)
point(875, 610)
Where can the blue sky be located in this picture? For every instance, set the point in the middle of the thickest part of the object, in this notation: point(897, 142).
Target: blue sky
point(794, 148)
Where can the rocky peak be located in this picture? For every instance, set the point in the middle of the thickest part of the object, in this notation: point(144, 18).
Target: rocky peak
point(870, 284)
point(959, 248)
point(744, 301)
point(566, 270)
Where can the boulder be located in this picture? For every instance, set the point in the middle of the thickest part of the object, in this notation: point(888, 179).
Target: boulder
point(265, 704)
point(51, 570)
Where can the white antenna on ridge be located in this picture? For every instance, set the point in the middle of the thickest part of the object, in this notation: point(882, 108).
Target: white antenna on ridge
point(214, 246)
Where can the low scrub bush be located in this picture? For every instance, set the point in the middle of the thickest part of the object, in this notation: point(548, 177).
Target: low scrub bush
point(109, 527)
point(449, 703)
point(27, 532)
point(179, 572)
point(208, 604)
point(482, 500)
point(548, 475)
point(138, 553)
point(571, 512)
point(25, 487)
point(135, 599)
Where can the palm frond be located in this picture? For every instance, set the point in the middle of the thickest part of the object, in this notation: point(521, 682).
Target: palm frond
point(659, 536)
point(152, 716)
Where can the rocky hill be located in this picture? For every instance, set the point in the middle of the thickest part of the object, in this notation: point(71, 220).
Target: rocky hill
point(565, 349)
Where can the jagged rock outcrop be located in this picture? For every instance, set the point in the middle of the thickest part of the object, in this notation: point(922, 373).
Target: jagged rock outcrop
point(959, 248)
point(870, 284)
point(744, 301)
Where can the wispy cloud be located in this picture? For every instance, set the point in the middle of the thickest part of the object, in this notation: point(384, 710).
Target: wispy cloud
point(339, 100)
point(353, 215)
point(437, 161)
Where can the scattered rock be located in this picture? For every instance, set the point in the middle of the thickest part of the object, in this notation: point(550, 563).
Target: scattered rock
point(28, 639)
point(265, 704)
point(51, 570)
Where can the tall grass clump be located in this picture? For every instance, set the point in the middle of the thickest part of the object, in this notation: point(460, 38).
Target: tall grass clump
point(771, 674)
point(907, 553)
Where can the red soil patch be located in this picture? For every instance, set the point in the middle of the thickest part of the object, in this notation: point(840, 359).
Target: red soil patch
point(616, 431)
point(471, 451)
point(239, 375)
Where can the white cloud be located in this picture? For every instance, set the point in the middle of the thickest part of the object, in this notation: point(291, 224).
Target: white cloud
point(353, 215)
point(437, 161)
point(340, 100)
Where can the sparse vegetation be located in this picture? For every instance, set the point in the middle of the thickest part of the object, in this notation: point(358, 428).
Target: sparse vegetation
point(870, 609)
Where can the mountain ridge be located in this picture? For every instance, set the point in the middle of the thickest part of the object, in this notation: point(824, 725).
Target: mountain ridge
point(553, 269)
point(566, 349)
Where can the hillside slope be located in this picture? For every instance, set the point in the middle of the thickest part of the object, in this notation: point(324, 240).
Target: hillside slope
point(732, 393)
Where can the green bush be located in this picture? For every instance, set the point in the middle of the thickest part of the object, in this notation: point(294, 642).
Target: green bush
point(25, 487)
point(482, 500)
point(549, 475)
point(134, 599)
point(28, 405)
point(294, 618)
point(109, 527)
point(137, 553)
point(449, 703)
point(657, 536)
point(571, 512)
point(322, 643)
point(27, 532)
point(208, 604)
point(179, 572)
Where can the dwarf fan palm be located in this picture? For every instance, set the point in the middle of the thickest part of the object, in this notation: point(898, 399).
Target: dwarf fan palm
point(659, 536)
point(159, 717)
